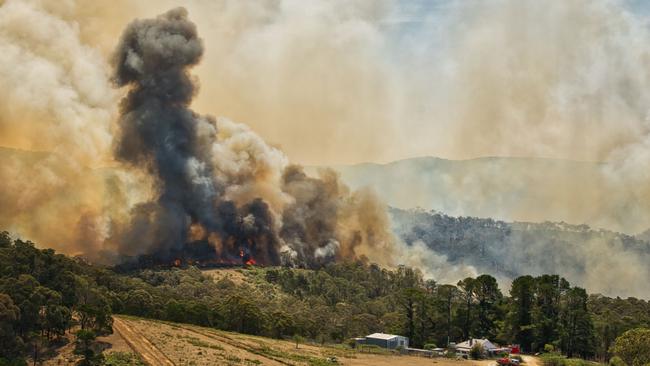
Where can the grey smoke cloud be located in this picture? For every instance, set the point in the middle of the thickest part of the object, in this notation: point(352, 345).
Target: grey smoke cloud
point(204, 191)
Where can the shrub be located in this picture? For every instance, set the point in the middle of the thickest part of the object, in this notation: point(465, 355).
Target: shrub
point(84, 347)
point(633, 347)
point(553, 359)
point(298, 339)
point(12, 362)
point(476, 352)
point(430, 346)
point(575, 362)
point(548, 348)
point(122, 359)
point(616, 361)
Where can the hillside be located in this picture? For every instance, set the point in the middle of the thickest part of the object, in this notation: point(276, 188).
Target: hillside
point(183, 344)
point(506, 188)
point(599, 260)
point(52, 303)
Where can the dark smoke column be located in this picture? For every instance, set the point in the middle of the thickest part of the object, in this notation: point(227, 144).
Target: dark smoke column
point(160, 135)
point(158, 131)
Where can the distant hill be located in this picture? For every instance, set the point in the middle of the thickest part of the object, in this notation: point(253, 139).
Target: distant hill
point(603, 261)
point(522, 189)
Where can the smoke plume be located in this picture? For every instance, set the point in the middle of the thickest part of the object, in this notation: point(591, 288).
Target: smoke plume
point(56, 106)
point(227, 189)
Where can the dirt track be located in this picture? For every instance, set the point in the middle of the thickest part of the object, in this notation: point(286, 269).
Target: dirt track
point(151, 355)
point(530, 361)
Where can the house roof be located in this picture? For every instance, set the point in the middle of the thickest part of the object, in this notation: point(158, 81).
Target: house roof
point(487, 345)
point(382, 336)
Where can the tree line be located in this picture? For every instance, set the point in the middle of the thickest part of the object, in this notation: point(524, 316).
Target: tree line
point(43, 295)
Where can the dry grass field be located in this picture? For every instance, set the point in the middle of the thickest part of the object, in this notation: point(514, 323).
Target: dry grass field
point(163, 343)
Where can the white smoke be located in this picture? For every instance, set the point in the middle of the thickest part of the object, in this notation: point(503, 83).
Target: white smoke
point(433, 265)
point(55, 90)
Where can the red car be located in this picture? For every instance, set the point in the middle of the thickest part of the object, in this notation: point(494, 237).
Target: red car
point(505, 361)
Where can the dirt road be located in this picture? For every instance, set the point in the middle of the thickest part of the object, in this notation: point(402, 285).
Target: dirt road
point(530, 360)
point(151, 355)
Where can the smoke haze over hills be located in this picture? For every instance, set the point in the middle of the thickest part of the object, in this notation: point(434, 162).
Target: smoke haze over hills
point(603, 261)
point(511, 189)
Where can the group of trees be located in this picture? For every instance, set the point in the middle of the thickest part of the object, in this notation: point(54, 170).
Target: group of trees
point(41, 293)
point(344, 300)
point(546, 310)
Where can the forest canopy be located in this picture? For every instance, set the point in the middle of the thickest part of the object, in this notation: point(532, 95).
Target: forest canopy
point(43, 295)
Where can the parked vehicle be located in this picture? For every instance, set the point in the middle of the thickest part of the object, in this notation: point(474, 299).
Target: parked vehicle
point(504, 361)
point(507, 361)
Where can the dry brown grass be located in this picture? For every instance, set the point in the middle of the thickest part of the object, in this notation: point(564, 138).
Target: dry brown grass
point(236, 275)
point(192, 345)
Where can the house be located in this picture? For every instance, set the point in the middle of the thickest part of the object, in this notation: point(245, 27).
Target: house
point(390, 341)
point(488, 347)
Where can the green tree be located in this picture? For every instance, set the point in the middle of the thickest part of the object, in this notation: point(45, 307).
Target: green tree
point(5, 239)
point(282, 324)
point(242, 315)
point(175, 311)
point(549, 290)
point(84, 347)
point(24, 294)
point(577, 331)
point(488, 297)
point(139, 302)
point(9, 316)
point(520, 316)
point(468, 288)
point(57, 320)
point(414, 305)
point(447, 294)
point(92, 307)
point(298, 339)
point(633, 347)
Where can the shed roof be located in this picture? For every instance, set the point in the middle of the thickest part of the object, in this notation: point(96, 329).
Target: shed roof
point(382, 336)
point(487, 345)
